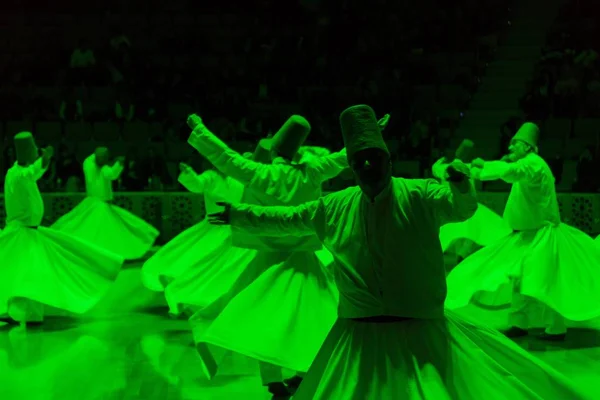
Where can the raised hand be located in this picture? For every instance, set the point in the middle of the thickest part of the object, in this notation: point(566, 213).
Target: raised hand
point(221, 218)
point(193, 121)
point(186, 169)
point(48, 152)
point(383, 122)
point(477, 163)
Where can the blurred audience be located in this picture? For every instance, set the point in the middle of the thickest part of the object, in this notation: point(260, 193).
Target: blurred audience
point(566, 82)
point(587, 172)
point(154, 170)
point(248, 73)
point(131, 178)
point(69, 170)
point(81, 65)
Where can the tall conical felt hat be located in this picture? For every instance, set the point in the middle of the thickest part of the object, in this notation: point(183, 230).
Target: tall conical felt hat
point(262, 153)
point(528, 133)
point(291, 136)
point(25, 148)
point(465, 151)
point(102, 156)
point(360, 130)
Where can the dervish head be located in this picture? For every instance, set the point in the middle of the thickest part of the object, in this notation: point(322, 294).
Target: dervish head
point(25, 148)
point(102, 156)
point(288, 139)
point(524, 142)
point(368, 155)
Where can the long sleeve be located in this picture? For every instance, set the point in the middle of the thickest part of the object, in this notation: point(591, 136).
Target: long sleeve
point(302, 220)
point(278, 180)
point(36, 170)
point(197, 183)
point(438, 170)
point(113, 172)
point(226, 160)
point(508, 172)
point(328, 167)
point(32, 172)
point(315, 150)
point(449, 203)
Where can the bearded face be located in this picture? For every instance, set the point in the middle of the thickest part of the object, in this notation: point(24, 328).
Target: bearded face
point(518, 149)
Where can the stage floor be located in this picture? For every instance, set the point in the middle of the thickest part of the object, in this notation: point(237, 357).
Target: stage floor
point(128, 348)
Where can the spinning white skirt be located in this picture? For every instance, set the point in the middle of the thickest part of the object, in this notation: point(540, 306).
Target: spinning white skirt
point(281, 318)
point(557, 265)
point(214, 273)
point(484, 228)
point(109, 227)
point(443, 359)
point(46, 267)
point(186, 251)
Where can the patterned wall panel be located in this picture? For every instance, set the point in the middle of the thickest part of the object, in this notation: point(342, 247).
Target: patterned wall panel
point(57, 205)
point(172, 213)
point(123, 202)
point(582, 212)
point(180, 213)
point(152, 210)
point(576, 209)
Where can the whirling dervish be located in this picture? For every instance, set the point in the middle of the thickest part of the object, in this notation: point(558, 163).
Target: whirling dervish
point(43, 267)
point(96, 219)
point(393, 339)
point(544, 262)
point(289, 266)
point(191, 268)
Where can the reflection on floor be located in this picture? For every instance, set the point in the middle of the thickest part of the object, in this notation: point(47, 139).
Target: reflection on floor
point(123, 352)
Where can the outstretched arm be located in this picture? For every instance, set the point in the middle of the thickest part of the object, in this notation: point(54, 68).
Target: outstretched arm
point(226, 160)
point(197, 183)
point(328, 167)
point(508, 172)
point(315, 151)
point(36, 170)
point(264, 178)
point(438, 170)
point(113, 172)
point(275, 221)
point(455, 202)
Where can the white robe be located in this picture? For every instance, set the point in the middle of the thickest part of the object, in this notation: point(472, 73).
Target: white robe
point(43, 267)
point(388, 261)
point(107, 225)
point(484, 228)
point(546, 260)
point(293, 270)
point(191, 248)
